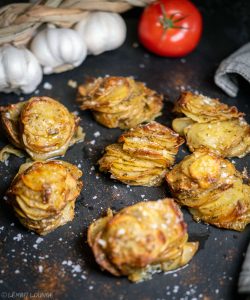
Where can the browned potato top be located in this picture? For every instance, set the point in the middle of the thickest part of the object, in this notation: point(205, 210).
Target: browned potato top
point(142, 155)
point(212, 124)
point(120, 101)
point(212, 188)
point(203, 109)
point(141, 237)
point(46, 125)
point(43, 194)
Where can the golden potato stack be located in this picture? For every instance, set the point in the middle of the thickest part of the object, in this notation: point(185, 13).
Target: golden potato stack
point(43, 194)
point(120, 101)
point(141, 239)
point(212, 124)
point(142, 155)
point(212, 189)
point(43, 127)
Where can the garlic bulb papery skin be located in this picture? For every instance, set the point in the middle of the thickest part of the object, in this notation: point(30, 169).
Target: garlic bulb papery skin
point(58, 49)
point(102, 31)
point(20, 71)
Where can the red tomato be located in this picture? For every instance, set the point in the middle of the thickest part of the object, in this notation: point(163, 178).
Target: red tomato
point(170, 27)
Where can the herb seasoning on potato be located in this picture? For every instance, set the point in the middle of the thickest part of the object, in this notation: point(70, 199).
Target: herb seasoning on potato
point(212, 189)
point(142, 155)
point(212, 124)
point(120, 101)
point(42, 126)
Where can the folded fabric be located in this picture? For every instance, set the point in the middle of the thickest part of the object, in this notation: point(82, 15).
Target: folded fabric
point(237, 63)
point(244, 279)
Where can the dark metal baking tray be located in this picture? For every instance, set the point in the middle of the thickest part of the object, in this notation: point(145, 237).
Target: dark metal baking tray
point(61, 265)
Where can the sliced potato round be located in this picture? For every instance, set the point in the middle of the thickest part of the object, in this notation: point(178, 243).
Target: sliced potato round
point(43, 194)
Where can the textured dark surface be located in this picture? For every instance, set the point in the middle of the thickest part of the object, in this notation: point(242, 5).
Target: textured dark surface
point(62, 264)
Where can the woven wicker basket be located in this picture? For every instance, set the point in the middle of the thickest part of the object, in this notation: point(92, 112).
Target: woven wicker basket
point(19, 21)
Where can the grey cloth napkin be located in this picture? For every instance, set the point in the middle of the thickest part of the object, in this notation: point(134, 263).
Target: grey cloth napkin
point(237, 63)
point(244, 279)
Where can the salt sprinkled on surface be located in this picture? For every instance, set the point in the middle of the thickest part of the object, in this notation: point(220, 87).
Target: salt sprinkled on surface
point(72, 83)
point(92, 142)
point(67, 262)
point(47, 86)
point(39, 240)
point(40, 269)
point(76, 268)
point(95, 197)
point(121, 231)
point(96, 134)
point(18, 237)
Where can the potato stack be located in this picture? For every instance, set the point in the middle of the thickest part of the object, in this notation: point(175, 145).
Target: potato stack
point(120, 101)
point(142, 155)
point(212, 124)
point(141, 240)
point(43, 194)
point(41, 126)
point(212, 189)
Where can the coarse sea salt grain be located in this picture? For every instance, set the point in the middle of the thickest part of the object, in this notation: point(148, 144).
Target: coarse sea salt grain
point(67, 262)
point(92, 142)
point(76, 268)
point(18, 237)
point(95, 197)
point(39, 240)
point(96, 134)
point(40, 269)
point(47, 86)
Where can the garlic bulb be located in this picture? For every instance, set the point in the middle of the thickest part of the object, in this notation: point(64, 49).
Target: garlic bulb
point(19, 70)
point(58, 49)
point(102, 31)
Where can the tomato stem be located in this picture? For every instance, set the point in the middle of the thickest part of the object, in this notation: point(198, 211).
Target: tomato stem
point(170, 22)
